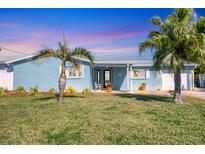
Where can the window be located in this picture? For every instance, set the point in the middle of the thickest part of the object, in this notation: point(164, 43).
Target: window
point(72, 72)
point(139, 73)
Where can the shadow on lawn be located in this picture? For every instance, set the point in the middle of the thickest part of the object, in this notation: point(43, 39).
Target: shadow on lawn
point(46, 98)
point(146, 97)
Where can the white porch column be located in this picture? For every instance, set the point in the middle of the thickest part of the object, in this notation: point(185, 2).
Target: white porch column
point(130, 78)
point(192, 75)
point(129, 81)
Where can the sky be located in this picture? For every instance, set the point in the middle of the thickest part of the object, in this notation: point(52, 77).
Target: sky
point(107, 33)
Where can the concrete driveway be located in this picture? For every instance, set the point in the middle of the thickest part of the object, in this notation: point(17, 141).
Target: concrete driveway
point(197, 93)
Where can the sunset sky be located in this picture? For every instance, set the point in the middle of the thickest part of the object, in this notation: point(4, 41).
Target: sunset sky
point(107, 33)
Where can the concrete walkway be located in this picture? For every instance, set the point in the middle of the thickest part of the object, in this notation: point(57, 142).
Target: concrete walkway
point(197, 93)
point(113, 91)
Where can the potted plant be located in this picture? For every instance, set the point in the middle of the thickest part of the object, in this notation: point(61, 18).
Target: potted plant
point(109, 87)
point(143, 87)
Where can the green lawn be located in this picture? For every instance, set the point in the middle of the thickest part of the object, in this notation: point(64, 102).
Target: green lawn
point(101, 119)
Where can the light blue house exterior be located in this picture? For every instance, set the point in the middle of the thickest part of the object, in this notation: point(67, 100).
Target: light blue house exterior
point(45, 75)
point(125, 75)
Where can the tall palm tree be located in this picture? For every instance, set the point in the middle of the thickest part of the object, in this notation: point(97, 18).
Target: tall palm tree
point(178, 40)
point(64, 54)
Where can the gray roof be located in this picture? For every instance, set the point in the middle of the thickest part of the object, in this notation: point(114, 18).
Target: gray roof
point(14, 58)
point(10, 56)
point(139, 62)
point(136, 62)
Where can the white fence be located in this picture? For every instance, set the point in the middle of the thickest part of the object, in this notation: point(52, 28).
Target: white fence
point(6, 79)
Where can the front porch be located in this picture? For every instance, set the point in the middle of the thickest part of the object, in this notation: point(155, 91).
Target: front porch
point(116, 74)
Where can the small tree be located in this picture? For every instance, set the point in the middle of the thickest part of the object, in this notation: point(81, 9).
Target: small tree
point(64, 54)
point(179, 40)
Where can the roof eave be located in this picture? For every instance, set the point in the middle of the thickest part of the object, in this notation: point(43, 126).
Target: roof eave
point(18, 59)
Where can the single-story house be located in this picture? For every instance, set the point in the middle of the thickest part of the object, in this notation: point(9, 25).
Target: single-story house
point(125, 75)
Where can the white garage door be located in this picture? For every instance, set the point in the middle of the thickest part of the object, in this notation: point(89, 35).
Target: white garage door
point(6, 79)
point(168, 81)
point(202, 80)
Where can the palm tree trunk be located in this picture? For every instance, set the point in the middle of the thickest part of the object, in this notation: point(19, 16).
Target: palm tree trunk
point(177, 84)
point(62, 82)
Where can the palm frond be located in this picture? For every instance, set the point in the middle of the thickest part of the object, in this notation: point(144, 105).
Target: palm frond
point(146, 45)
point(60, 46)
point(156, 20)
point(75, 62)
point(82, 52)
point(183, 15)
point(200, 26)
point(154, 33)
point(167, 58)
point(45, 54)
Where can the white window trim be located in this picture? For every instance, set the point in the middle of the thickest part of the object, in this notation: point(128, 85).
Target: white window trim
point(73, 77)
point(147, 74)
point(132, 76)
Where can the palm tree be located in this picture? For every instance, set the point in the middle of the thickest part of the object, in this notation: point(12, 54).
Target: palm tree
point(179, 40)
point(64, 54)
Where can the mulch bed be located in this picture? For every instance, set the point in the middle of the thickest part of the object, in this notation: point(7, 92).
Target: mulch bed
point(13, 93)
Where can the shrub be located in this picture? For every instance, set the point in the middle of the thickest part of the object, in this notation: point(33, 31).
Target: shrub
point(171, 92)
point(20, 90)
point(52, 91)
point(143, 86)
point(70, 91)
point(86, 91)
point(3, 91)
point(108, 85)
point(34, 91)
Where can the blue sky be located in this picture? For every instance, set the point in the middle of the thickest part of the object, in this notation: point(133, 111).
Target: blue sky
point(107, 33)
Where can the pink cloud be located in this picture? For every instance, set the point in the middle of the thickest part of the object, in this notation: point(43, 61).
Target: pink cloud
point(114, 49)
point(109, 35)
point(22, 47)
point(27, 40)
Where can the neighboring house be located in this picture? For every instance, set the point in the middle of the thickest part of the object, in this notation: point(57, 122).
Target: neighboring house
point(125, 75)
point(202, 80)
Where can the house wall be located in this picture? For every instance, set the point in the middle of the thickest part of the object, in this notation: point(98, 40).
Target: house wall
point(120, 78)
point(81, 83)
point(45, 75)
point(153, 82)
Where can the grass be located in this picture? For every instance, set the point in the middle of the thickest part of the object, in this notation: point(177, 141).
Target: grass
point(101, 119)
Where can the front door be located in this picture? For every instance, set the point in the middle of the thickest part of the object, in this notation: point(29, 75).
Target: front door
point(106, 77)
